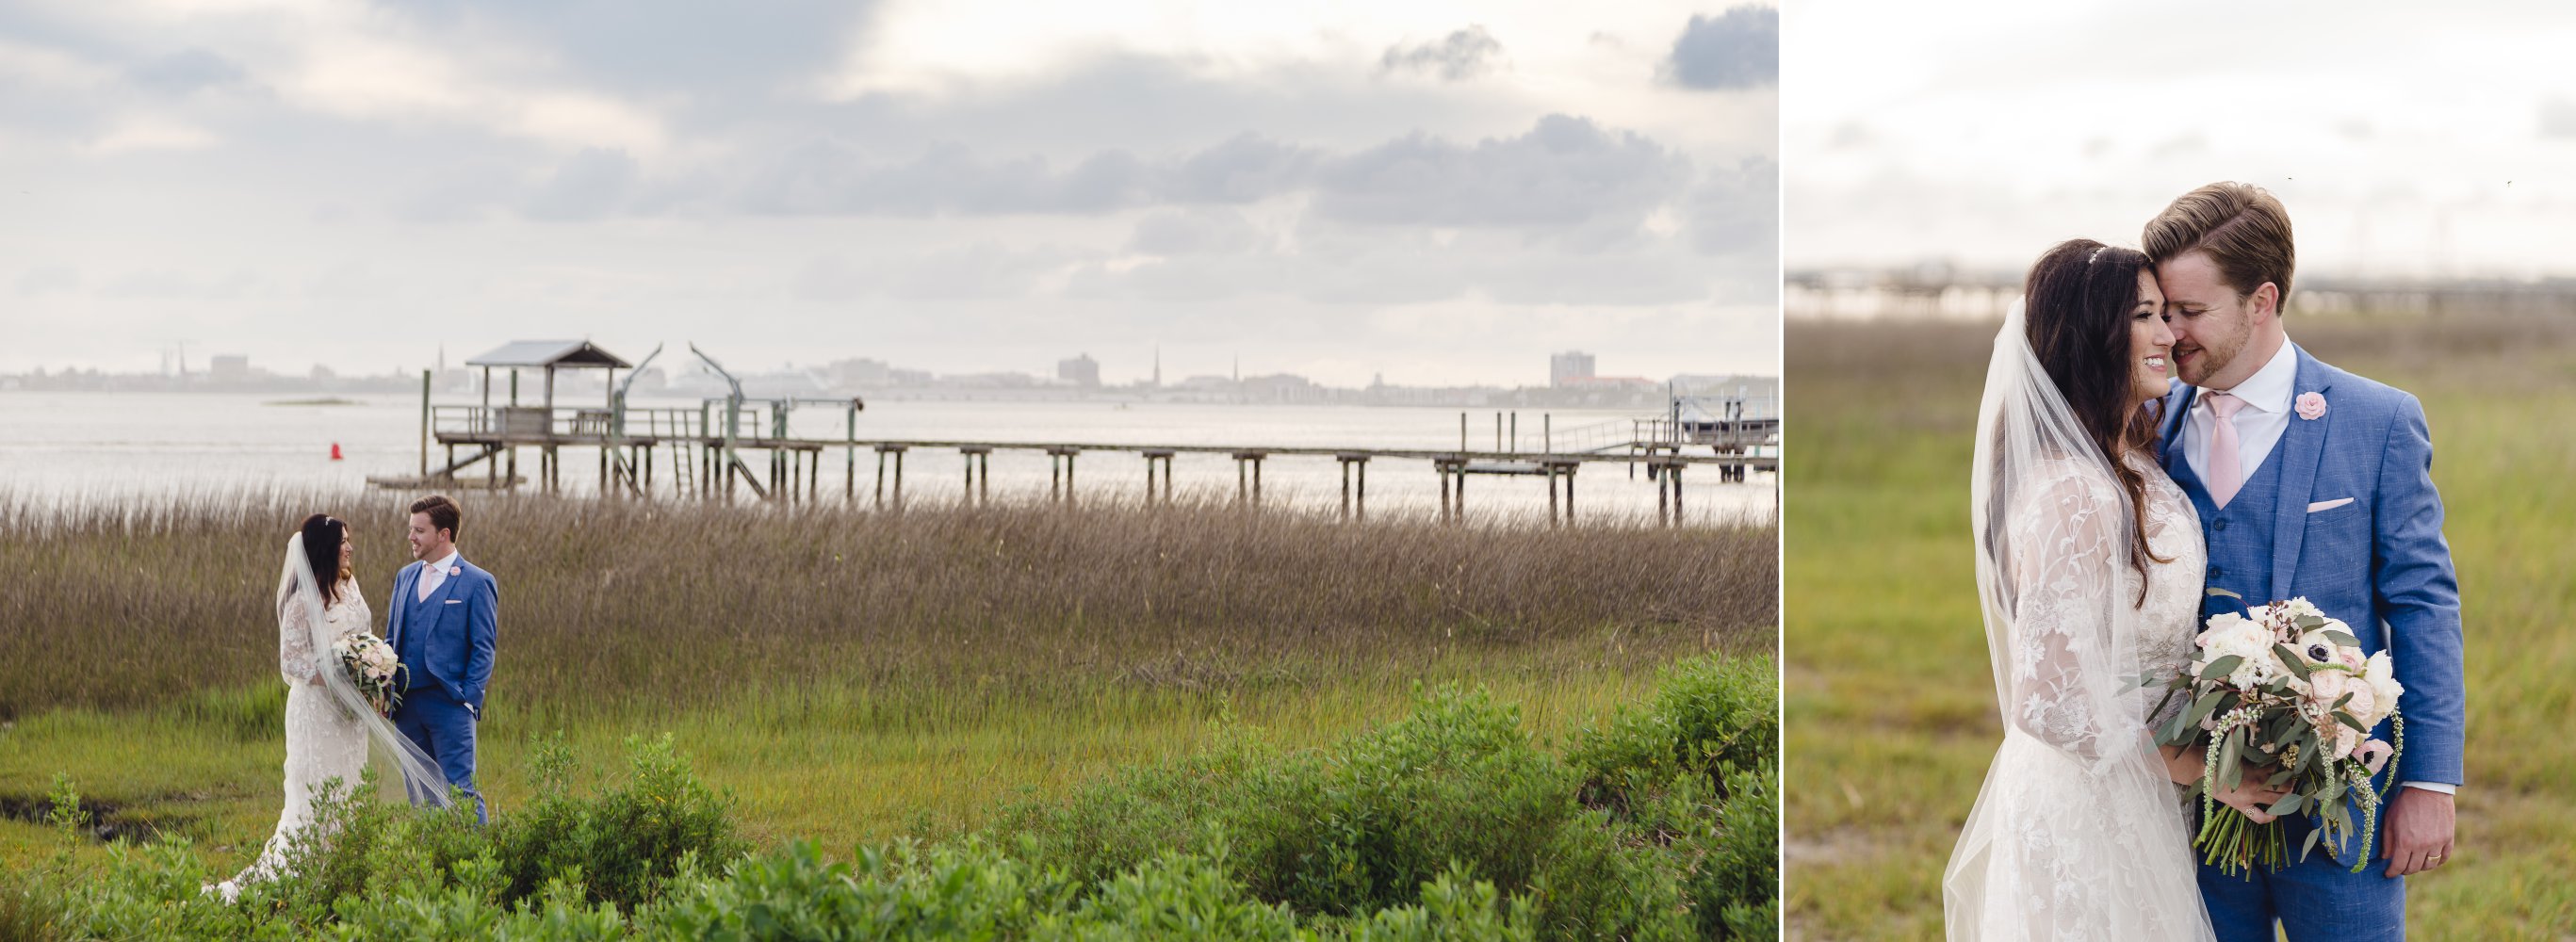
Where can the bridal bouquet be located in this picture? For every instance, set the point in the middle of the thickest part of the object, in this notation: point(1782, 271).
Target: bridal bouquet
point(372, 665)
point(2285, 689)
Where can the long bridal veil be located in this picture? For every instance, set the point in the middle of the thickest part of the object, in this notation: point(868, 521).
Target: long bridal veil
point(296, 586)
point(2077, 831)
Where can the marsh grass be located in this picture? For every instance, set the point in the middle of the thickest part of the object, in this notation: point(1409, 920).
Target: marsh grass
point(849, 675)
point(1889, 706)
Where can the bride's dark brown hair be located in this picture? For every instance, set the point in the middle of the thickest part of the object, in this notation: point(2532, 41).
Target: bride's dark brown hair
point(323, 535)
point(2077, 301)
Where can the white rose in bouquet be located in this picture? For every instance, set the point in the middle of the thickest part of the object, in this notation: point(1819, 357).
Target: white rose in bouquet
point(2382, 680)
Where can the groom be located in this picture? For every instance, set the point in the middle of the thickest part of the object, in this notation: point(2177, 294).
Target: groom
point(2314, 482)
point(445, 616)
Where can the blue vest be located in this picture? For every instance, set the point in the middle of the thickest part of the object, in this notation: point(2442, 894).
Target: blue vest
point(418, 617)
point(2240, 536)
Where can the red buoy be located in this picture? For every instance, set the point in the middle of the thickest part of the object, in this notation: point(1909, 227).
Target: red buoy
point(335, 451)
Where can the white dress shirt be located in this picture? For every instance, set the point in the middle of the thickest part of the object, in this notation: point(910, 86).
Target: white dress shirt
point(2259, 426)
point(437, 574)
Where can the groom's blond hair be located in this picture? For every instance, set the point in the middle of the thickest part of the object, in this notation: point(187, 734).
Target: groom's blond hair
point(2242, 227)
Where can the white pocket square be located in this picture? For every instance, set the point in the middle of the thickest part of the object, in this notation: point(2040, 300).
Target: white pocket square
point(462, 601)
point(2328, 504)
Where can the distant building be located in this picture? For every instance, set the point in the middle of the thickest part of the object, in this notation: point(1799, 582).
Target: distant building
point(1081, 371)
point(229, 368)
point(1565, 368)
point(863, 373)
point(1281, 387)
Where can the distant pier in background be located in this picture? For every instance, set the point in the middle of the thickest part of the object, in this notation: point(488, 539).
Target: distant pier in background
point(734, 446)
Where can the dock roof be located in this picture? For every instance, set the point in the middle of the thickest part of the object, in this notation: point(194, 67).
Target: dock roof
point(550, 353)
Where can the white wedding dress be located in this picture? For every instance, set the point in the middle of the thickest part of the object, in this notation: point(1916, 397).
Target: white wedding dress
point(2078, 835)
point(329, 724)
point(323, 741)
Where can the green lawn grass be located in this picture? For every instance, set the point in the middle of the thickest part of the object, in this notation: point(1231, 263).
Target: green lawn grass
point(1889, 703)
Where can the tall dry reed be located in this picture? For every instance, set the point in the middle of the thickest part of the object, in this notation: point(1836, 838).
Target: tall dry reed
point(118, 604)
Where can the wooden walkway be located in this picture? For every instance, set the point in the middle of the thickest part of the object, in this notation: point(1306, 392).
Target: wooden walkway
point(703, 461)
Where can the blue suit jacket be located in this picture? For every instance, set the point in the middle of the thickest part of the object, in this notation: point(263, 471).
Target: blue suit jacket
point(2378, 561)
point(461, 636)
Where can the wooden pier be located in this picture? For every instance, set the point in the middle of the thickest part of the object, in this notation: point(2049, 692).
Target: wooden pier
point(736, 444)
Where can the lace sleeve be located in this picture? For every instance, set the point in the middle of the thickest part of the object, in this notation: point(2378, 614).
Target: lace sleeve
point(2066, 563)
point(296, 659)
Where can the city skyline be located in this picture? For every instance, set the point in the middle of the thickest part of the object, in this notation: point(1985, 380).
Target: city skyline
point(221, 366)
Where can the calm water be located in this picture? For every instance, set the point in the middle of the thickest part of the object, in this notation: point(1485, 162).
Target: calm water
point(74, 445)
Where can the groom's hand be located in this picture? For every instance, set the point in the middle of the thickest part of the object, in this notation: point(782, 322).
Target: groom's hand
point(2419, 837)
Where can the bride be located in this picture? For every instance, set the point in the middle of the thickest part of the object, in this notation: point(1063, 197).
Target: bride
point(328, 722)
point(2089, 568)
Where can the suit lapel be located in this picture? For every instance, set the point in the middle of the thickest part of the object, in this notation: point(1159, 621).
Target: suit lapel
point(2177, 405)
point(2300, 450)
point(446, 587)
point(405, 583)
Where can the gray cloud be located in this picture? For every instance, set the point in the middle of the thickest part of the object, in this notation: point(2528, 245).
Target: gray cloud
point(975, 270)
point(186, 71)
point(48, 279)
point(1565, 171)
point(1122, 194)
point(1465, 54)
point(669, 45)
point(588, 186)
point(1737, 49)
point(834, 178)
point(1737, 211)
point(1199, 231)
point(2558, 118)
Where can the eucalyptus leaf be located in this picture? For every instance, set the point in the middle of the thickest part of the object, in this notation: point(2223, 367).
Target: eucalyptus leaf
point(2221, 667)
point(2291, 659)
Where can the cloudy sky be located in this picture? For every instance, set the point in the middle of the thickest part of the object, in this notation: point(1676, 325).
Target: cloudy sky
point(2406, 140)
point(1436, 191)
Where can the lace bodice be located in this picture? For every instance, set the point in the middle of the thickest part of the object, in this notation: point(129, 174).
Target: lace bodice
point(296, 659)
point(2170, 620)
point(2062, 540)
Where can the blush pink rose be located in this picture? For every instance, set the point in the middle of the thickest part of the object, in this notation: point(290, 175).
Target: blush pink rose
point(2311, 405)
point(2325, 686)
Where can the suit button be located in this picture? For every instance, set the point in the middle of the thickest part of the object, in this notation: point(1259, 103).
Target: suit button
point(2215, 572)
point(2219, 524)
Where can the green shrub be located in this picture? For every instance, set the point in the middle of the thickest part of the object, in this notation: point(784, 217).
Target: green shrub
point(1600, 878)
point(1735, 888)
point(1447, 824)
point(622, 845)
point(1711, 716)
point(1350, 828)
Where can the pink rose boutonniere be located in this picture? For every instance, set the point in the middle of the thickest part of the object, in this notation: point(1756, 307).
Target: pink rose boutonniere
point(2312, 405)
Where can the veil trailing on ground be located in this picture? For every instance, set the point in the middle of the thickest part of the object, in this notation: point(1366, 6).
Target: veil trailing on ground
point(2077, 810)
point(296, 586)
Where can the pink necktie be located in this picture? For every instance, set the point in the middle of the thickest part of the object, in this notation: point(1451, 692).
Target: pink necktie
point(2226, 469)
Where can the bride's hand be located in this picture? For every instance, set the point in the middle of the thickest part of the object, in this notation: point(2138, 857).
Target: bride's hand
point(2251, 796)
